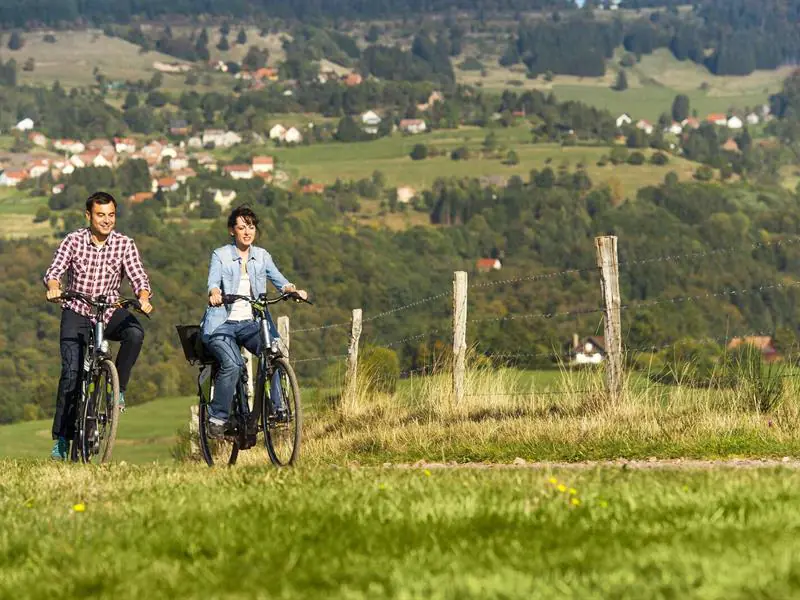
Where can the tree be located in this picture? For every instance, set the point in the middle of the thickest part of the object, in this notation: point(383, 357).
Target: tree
point(622, 81)
point(16, 41)
point(348, 130)
point(419, 152)
point(680, 108)
point(131, 100)
point(255, 58)
point(241, 38)
point(223, 45)
point(512, 158)
point(704, 173)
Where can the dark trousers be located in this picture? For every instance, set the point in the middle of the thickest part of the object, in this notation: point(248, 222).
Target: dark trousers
point(75, 333)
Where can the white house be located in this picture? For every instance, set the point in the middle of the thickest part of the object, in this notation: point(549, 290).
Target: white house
point(222, 197)
point(405, 194)
point(195, 142)
point(67, 145)
point(38, 138)
point(124, 145)
point(238, 171)
point(293, 136)
point(263, 164)
point(735, 123)
point(590, 351)
point(370, 120)
point(178, 162)
point(277, 132)
point(25, 125)
point(220, 138)
point(645, 126)
point(624, 119)
point(752, 118)
point(675, 128)
point(38, 168)
point(413, 126)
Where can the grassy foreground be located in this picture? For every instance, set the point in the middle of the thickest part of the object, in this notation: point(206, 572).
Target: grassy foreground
point(184, 532)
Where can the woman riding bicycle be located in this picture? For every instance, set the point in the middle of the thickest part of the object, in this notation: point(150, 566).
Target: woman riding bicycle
point(243, 269)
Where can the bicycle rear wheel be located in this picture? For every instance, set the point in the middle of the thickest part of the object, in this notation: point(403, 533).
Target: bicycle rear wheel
point(100, 416)
point(214, 450)
point(282, 433)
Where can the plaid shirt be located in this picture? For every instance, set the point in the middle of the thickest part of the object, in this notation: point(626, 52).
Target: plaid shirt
point(97, 271)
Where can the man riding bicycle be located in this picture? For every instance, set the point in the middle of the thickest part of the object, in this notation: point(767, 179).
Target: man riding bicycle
point(242, 269)
point(96, 258)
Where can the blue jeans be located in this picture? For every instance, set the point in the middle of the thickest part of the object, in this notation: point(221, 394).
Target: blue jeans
point(224, 345)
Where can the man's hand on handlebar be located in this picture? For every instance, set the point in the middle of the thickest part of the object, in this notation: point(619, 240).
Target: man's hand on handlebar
point(144, 303)
point(53, 293)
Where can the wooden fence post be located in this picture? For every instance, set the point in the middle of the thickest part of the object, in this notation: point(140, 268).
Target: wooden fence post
point(459, 333)
point(283, 331)
point(352, 353)
point(606, 250)
point(194, 430)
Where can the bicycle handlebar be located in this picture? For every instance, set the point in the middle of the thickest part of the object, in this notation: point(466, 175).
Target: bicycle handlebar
point(100, 303)
point(262, 299)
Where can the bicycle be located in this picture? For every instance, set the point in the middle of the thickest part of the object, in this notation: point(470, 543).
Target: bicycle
point(97, 413)
point(281, 429)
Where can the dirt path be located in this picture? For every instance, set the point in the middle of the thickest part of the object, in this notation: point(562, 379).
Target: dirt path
point(644, 464)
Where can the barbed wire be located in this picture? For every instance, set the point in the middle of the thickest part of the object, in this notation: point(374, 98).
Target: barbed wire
point(547, 315)
point(729, 292)
point(329, 357)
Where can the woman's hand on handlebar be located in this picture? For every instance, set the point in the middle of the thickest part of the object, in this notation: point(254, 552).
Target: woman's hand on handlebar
point(215, 297)
point(291, 289)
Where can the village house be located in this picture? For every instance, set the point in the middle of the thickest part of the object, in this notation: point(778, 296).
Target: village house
point(434, 97)
point(762, 343)
point(195, 142)
point(238, 171)
point(38, 139)
point(690, 123)
point(485, 265)
point(221, 139)
point(266, 73)
point(98, 144)
point(207, 161)
point(624, 119)
point(38, 167)
point(57, 189)
point(413, 126)
point(140, 197)
point(179, 161)
point(588, 351)
point(263, 164)
point(353, 79)
point(717, 119)
point(165, 184)
point(173, 67)
point(645, 126)
point(405, 194)
point(674, 128)
point(735, 123)
point(124, 145)
point(292, 136)
point(730, 145)
point(182, 175)
point(313, 188)
point(752, 118)
point(25, 124)
point(278, 132)
point(13, 178)
point(370, 121)
point(68, 145)
point(224, 198)
point(179, 127)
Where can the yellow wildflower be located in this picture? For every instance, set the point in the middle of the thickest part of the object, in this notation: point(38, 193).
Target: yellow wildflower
point(427, 472)
point(79, 507)
point(574, 501)
point(561, 487)
point(553, 480)
point(572, 491)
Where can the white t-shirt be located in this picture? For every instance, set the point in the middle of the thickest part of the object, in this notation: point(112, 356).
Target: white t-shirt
point(241, 310)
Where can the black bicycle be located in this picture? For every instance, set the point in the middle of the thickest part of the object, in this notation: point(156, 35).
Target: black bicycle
point(97, 414)
point(279, 419)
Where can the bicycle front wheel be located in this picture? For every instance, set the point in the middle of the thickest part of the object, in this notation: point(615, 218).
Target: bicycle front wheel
point(100, 415)
point(282, 415)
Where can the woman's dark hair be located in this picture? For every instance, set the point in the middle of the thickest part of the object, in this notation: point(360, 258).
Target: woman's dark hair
point(99, 198)
point(247, 215)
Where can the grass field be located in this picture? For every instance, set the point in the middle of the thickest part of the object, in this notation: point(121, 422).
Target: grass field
point(188, 532)
point(325, 163)
point(652, 86)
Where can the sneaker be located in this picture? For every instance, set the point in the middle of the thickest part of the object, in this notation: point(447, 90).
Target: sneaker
point(216, 429)
point(121, 402)
point(60, 449)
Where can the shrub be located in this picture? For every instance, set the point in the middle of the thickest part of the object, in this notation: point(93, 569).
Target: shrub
point(636, 158)
point(380, 368)
point(419, 152)
point(659, 158)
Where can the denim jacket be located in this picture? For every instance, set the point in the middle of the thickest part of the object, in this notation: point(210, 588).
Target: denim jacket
point(225, 272)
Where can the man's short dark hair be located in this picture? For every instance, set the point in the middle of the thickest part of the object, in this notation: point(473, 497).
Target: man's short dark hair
point(247, 215)
point(99, 198)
